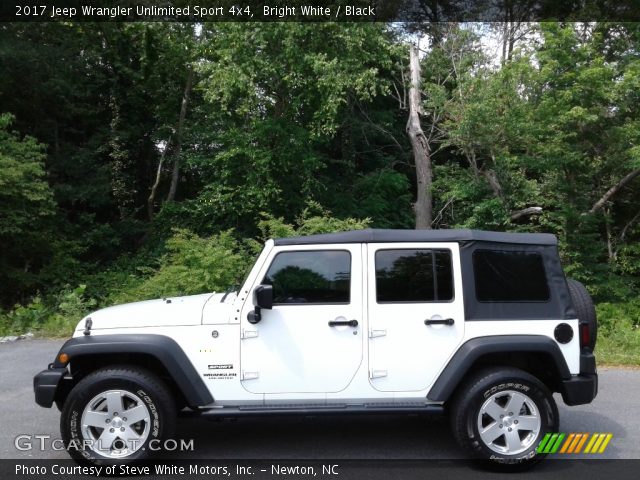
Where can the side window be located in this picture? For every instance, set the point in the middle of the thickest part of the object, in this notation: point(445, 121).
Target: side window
point(509, 276)
point(413, 276)
point(319, 276)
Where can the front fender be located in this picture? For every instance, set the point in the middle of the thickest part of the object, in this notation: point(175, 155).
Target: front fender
point(162, 348)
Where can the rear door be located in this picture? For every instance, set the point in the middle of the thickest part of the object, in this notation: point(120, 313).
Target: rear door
point(416, 313)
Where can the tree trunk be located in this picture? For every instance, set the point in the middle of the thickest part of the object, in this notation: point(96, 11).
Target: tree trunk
point(175, 174)
point(622, 235)
point(505, 35)
point(613, 190)
point(154, 189)
point(421, 153)
point(607, 225)
point(525, 212)
point(494, 183)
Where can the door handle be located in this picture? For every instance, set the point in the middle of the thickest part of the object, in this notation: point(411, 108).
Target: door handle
point(343, 323)
point(439, 321)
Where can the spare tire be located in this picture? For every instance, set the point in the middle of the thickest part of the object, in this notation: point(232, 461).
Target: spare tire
point(585, 309)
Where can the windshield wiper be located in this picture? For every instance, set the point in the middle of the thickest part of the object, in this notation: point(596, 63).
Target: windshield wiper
point(231, 289)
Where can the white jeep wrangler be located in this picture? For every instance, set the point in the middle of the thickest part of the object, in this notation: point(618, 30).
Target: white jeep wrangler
point(478, 324)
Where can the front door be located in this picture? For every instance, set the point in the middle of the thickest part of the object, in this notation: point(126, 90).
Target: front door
point(416, 314)
point(311, 340)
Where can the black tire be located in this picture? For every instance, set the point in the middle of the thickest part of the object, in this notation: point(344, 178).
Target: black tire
point(480, 388)
point(585, 309)
point(151, 392)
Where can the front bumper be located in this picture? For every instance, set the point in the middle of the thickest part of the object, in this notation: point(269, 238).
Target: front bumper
point(46, 383)
point(583, 388)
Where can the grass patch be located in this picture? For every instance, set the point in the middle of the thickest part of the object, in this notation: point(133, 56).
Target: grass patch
point(619, 349)
point(619, 333)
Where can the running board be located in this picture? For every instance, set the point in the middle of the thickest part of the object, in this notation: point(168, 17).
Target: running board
point(330, 409)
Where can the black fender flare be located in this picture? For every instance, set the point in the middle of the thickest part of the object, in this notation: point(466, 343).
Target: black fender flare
point(473, 349)
point(162, 348)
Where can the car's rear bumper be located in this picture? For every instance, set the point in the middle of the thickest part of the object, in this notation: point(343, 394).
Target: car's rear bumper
point(582, 388)
point(46, 383)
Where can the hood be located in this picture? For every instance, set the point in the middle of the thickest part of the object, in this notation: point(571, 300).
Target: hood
point(164, 312)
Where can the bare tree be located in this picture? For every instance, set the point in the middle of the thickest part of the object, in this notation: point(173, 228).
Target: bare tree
point(514, 25)
point(420, 146)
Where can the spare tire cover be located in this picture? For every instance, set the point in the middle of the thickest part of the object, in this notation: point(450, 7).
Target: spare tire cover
point(585, 309)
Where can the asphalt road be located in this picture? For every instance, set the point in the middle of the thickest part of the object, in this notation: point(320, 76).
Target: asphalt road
point(615, 410)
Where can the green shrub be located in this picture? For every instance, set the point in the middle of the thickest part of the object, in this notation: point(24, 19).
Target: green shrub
point(314, 219)
point(55, 318)
point(70, 307)
point(191, 265)
point(24, 318)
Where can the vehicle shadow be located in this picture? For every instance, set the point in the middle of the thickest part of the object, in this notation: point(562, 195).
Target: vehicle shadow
point(379, 437)
point(335, 437)
point(380, 447)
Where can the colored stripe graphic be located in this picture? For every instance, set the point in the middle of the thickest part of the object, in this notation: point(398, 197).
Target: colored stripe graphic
point(550, 443)
point(606, 441)
point(570, 439)
point(573, 443)
point(600, 442)
point(596, 446)
point(580, 445)
point(543, 443)
point(591, 442)
point(556, 445)
point(576, 444)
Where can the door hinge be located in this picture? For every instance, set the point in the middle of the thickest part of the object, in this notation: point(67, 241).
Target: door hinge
point(377, 373)
point(249, 333)
point(250, 375)
point(377, 333)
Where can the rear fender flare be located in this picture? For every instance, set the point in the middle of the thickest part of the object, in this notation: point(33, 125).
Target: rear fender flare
point(472, 350)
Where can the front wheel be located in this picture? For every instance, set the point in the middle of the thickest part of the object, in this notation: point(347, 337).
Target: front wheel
point(501, 414)
point(114, 414)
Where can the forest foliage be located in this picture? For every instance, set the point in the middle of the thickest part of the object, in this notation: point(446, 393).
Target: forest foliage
point(140, 160)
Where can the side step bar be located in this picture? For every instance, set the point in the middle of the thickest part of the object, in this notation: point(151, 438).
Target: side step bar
point(311, 410)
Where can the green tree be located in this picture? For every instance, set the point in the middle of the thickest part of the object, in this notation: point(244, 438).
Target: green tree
point(26, 206)
point(282, 98)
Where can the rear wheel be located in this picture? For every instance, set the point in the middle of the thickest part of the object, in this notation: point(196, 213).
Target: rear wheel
point(501, 415)
point(113, 414)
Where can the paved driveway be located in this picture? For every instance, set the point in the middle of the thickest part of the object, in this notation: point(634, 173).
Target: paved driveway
point(615, 410)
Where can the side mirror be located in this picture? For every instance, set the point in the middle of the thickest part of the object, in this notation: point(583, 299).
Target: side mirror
point(262, 298)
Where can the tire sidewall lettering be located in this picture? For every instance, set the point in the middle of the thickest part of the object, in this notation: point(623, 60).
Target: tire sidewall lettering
point(506, 386)
point(155, 424)
point(76, 436)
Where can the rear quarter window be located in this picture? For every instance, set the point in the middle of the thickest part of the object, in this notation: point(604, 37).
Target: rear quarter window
point(510, 276)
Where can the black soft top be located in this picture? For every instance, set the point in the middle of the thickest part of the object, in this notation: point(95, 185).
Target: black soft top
point(390, 236)
point(557, 307)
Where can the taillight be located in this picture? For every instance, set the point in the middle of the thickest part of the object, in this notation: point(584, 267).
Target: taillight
point(585, 334)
